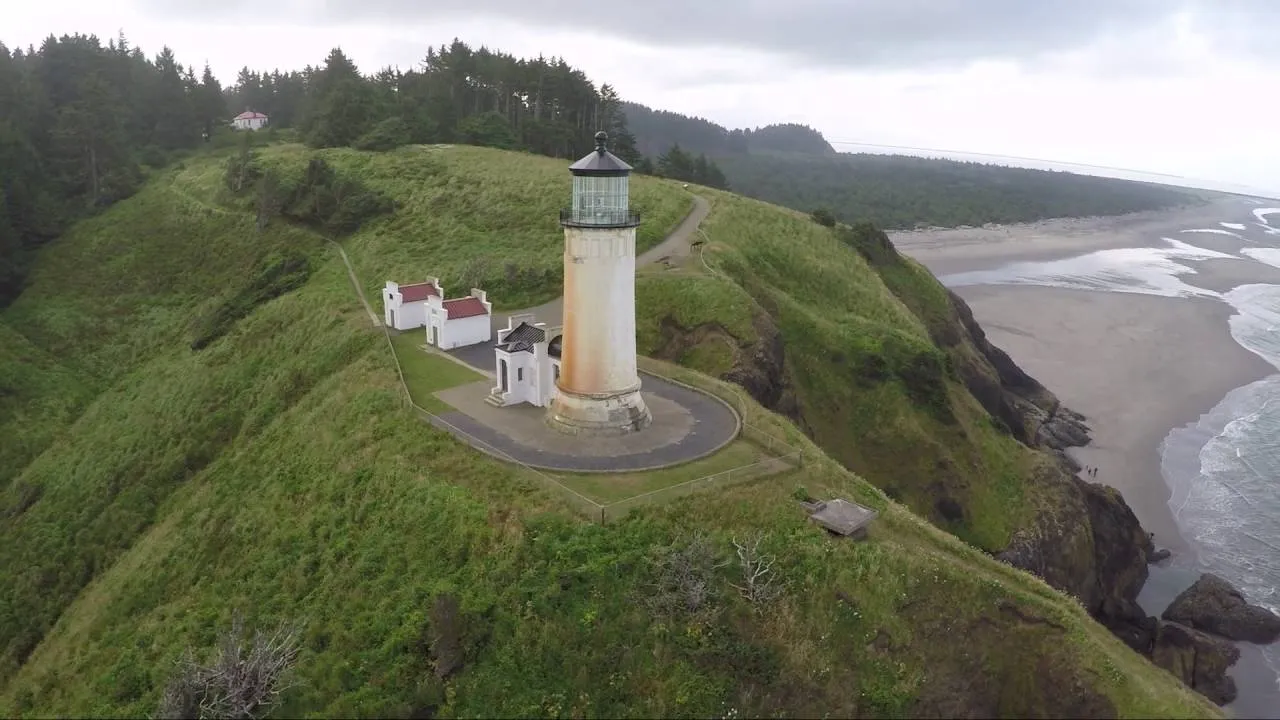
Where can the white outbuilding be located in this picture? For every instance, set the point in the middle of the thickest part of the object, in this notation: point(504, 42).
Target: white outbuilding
point(459, 322)
point(527, 359)
point(405, 306)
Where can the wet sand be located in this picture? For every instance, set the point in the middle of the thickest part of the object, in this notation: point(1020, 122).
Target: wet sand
point(946, 251)
point(1135, 365)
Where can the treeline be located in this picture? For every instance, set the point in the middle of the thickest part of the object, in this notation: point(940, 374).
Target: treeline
point(677, 164)
point(476, 97)
point(896, 191)
point(78, 122)
point(459, 94)
point(795, 166)
point(81, 121)
point(658, 130)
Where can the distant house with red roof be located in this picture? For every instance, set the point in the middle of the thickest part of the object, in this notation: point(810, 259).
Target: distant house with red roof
point(249, 120)
point(450, 324)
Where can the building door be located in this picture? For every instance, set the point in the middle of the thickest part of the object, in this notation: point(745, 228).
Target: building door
point(502, 374)
point(435, 335)
point(393, 317)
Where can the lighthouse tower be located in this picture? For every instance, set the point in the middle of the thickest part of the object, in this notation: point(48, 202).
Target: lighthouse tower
point(599, 387)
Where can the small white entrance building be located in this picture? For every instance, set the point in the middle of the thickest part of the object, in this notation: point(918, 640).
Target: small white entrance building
point(459, 322)
point(405, 306)
point(527, 359)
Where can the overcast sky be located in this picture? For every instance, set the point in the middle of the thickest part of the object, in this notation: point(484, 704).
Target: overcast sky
point(1183, 87)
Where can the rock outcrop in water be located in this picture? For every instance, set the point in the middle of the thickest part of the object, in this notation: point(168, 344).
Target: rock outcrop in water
point(1200, 660)
point(1213, 606)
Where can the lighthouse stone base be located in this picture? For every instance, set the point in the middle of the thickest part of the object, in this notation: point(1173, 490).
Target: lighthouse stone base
point(599, 415)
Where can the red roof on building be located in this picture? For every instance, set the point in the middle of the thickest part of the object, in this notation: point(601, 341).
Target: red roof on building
point(465, 307)
point(250, 115)
point(418, 292)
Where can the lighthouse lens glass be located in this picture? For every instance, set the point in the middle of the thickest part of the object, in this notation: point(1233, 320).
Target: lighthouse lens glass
point(600, 200)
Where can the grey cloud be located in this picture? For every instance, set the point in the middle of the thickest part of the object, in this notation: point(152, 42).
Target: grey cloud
point(846, 33)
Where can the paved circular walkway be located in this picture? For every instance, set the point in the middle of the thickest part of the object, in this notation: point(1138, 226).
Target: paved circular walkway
point(687, 425)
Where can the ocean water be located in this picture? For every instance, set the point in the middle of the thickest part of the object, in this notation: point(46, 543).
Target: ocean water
point(1223, 470)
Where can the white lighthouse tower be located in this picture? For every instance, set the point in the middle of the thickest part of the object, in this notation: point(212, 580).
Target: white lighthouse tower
point(598, 385)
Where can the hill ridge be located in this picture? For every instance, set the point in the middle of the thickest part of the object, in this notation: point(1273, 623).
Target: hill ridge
point(276, 472)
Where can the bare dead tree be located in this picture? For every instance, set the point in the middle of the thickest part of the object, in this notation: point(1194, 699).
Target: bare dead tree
point(759, 583)
point(685, 577)
point(240, 682)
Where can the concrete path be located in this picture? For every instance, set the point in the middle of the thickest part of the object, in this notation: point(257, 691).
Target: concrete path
point(707, 426)
point(355, 282)
point(677, 243)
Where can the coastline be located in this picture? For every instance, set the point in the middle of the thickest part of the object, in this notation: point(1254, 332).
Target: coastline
point(1138, 366)
point(1115, 358)
point(954, 250)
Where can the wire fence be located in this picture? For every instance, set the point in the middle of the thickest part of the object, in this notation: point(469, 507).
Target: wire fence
point(785, 457)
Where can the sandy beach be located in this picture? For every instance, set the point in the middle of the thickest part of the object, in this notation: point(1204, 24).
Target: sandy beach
point(1135, 365)
point(955, 250)
point(1116, 359)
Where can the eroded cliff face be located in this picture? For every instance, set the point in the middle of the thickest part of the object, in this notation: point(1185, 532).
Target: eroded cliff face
point(1083, 538)
point(1080, 537)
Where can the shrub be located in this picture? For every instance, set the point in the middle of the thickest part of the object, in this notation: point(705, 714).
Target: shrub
point(240, 681)
point(386, 135)
point(823, 217)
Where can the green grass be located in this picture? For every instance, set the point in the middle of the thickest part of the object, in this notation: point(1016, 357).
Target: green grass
point(613, 487)
point(473, 217)
point(279, 473)
point(869, 382)
point(427, 372)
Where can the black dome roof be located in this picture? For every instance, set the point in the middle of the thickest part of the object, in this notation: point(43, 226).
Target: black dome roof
point(600, 161)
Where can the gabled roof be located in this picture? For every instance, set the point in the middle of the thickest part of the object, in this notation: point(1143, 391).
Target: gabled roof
point(250, 115)
point(523, 338)
point(417, 292)
point(465, 307)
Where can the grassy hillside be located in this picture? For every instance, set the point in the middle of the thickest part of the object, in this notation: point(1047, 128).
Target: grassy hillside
point(275, 473)
point(861, 372)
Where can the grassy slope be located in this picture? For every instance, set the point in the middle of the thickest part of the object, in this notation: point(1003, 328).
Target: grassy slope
point(472, 217)
point(845, 335)
point(276, 472)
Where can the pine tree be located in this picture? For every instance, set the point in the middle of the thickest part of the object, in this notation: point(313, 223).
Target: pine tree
point(675, 163)
point(210, 105)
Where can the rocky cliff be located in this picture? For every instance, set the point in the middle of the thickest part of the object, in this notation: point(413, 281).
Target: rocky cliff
point(1080, 537)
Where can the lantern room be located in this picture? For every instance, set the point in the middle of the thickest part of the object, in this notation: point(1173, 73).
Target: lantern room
point(600, 191)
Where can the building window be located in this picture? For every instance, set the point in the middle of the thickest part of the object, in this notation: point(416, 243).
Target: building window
point(556, 370)
point(519, 374)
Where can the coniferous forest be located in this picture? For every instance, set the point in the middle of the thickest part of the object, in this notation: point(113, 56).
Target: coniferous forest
point(82, 122)
point(794, 165)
